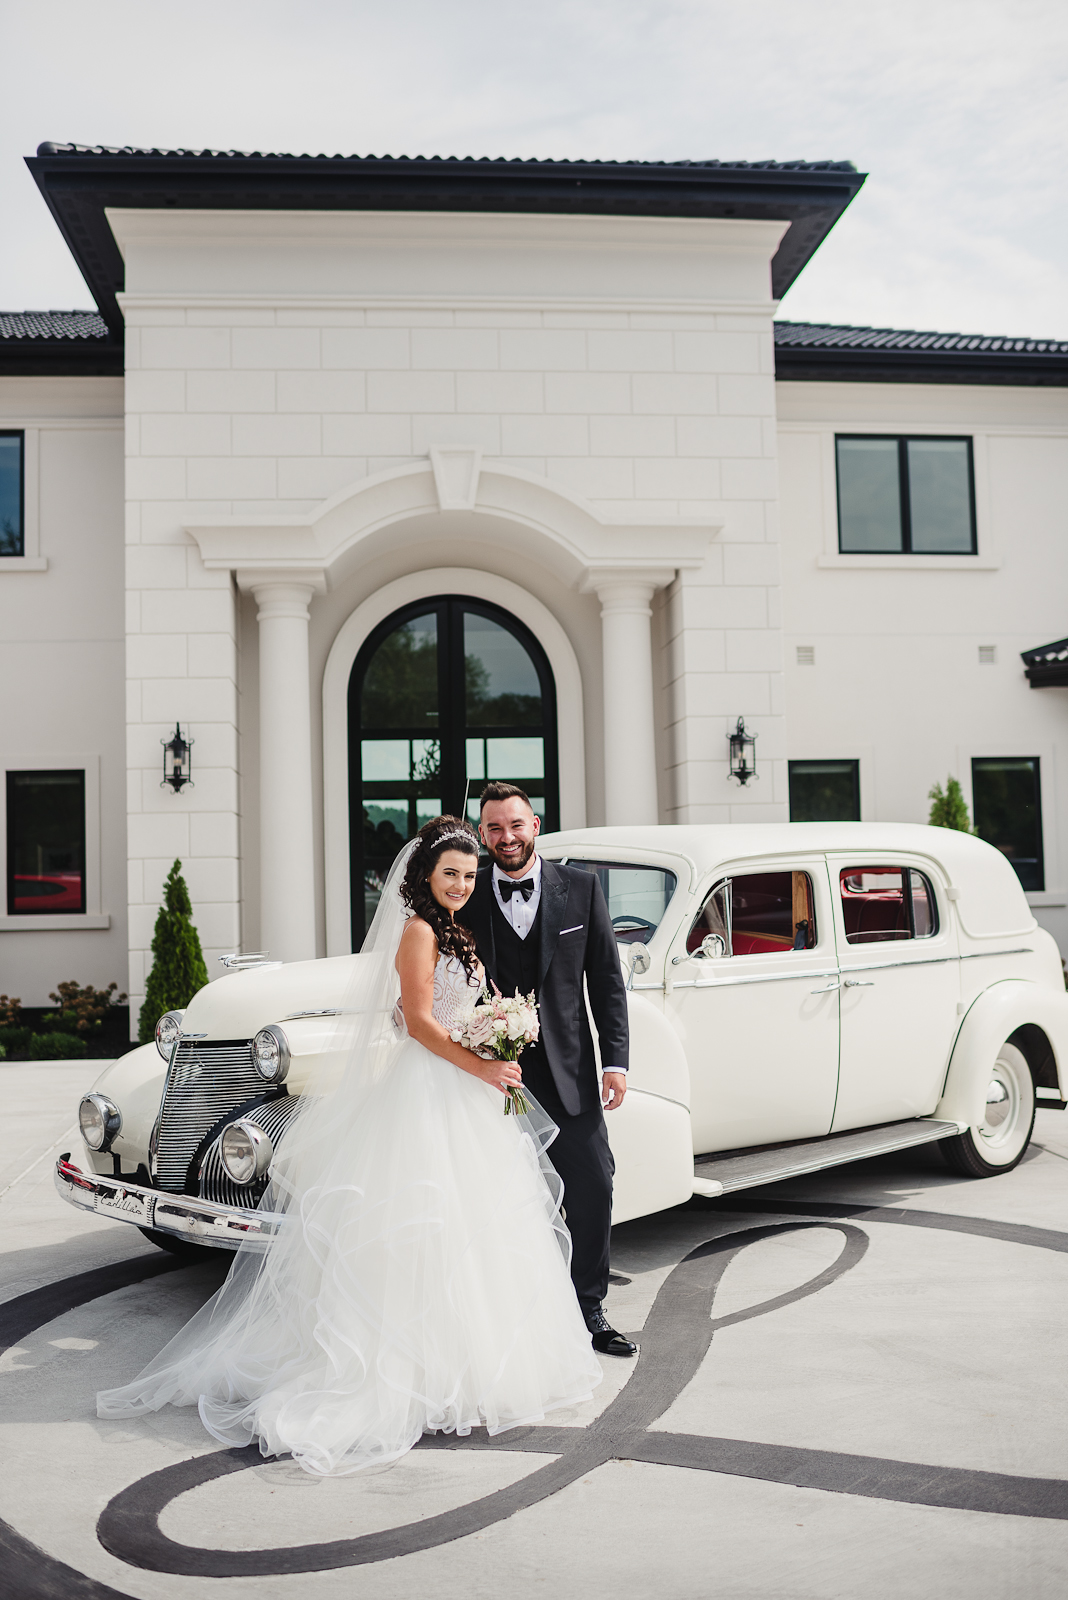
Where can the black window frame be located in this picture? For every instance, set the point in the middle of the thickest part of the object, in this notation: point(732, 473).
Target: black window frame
point(840, 761)
point(1039, 859)
point(903, 440)
point(43, 910)
point(451, 731)
point(20, 435)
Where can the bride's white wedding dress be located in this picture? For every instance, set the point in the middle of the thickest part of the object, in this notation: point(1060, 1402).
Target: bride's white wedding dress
point(420, 1281)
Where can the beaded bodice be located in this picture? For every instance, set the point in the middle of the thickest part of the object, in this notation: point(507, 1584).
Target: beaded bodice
point(454, 993)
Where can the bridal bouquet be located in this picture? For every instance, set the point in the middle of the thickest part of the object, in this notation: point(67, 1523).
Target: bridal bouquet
point(498, 1030)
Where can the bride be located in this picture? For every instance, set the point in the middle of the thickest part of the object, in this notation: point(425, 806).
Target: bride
point(420, 1279)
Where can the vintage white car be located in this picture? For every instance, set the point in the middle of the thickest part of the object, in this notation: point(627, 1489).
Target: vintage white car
point(801, 995)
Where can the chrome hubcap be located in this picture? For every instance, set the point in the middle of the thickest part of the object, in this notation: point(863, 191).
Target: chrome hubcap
point(998, 1104)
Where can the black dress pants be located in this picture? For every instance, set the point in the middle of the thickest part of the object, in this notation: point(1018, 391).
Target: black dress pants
point(582, 1156)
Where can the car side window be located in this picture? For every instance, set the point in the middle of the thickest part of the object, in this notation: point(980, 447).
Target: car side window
point(758, 913)
point(887, 903)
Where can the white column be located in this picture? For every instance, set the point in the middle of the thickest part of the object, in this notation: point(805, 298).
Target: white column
point(287, 857)
point(629, 717)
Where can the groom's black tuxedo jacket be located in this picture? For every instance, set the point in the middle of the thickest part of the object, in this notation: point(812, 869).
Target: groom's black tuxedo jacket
point(575, 940)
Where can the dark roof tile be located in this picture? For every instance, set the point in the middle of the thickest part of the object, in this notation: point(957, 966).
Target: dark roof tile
point(830, 352)
point(52, 149)
point(52, 325)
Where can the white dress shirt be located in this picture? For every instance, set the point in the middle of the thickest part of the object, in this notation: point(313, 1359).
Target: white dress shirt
point(520, 912)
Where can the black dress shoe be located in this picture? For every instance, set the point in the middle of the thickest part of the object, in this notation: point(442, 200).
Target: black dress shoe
point(606, 1341)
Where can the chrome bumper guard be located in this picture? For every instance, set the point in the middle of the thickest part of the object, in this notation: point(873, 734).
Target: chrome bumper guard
point(200, 1221)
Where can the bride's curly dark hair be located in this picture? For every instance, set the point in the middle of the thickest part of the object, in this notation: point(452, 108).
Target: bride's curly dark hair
point(450, 833)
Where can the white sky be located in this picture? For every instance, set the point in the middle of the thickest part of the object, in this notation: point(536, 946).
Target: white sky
point(957, 109)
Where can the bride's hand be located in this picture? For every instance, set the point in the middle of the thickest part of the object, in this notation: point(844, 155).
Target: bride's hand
point(503, 1075)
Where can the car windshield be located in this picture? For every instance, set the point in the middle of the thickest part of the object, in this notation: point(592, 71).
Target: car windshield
point(637, 896)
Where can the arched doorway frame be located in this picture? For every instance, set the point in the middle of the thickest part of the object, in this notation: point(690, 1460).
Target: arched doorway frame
point(425, 585)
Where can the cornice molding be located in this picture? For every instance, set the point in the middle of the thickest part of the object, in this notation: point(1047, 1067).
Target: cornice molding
point(559, 529)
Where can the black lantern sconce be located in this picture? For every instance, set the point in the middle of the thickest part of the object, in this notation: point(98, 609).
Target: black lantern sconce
point(743, 753)
point(177, 760)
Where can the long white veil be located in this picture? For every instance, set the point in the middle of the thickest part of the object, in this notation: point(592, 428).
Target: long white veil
point(271, 1316)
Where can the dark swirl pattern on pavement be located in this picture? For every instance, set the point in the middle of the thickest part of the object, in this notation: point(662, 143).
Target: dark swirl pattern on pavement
point(675, 1340)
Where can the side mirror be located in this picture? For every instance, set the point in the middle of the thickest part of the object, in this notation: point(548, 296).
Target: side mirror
point(713, 947)
point(640, 962)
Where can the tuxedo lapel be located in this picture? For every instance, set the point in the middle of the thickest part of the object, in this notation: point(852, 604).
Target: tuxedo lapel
point(551, 920)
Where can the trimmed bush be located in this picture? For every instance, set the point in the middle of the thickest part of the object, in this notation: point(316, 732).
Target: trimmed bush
point(178, 969)
point(56, 1047)
point(948, 810)
point(82, 1010)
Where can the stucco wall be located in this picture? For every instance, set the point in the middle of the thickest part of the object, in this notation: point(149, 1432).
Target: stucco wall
point(275, 359)
point(897, 681)
point(61, 664)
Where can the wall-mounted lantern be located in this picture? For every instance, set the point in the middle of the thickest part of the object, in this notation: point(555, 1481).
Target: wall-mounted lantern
point(743, 753)
point(177, 760)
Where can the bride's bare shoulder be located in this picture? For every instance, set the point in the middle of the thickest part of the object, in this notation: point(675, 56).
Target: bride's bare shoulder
point(418, 941)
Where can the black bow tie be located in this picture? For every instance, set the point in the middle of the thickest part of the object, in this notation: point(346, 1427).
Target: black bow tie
point(511, 886)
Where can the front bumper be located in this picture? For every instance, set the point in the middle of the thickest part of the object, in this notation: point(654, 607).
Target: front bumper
point(199, 1221)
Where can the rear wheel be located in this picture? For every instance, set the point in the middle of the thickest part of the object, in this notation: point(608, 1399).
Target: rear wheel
point(998, 1143)
point(187, 1249)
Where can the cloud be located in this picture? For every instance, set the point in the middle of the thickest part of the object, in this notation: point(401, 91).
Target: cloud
point(957, 110)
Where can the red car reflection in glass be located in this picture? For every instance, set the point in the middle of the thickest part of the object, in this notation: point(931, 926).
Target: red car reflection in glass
point(53, 891)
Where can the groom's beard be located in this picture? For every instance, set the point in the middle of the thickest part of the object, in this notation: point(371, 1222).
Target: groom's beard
point(512, 863)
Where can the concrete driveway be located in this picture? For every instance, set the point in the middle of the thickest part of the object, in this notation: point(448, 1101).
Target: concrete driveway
point(849, 1386)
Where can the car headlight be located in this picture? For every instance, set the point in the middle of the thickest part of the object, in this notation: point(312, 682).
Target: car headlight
point(168, 1032)
point(100, 1120)
point(245, 1151)
point(270, 1054)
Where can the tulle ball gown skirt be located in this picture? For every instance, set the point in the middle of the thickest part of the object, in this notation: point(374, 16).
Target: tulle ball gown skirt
point(420, 1283)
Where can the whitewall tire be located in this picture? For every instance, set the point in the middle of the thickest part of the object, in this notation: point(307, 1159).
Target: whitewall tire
point(998, 1143)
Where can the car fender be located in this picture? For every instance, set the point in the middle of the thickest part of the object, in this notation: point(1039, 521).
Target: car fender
point(992, 1017)
point(135, 1083)
point(650, 1133)
point(658, 1062)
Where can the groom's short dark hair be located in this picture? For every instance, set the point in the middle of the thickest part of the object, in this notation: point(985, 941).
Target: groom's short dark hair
point(501, 791)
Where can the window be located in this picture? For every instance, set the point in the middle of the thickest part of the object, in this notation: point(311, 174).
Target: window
point(637, 896)
point(1007, 804)
point(824, 791)
point(898, 495)
point(885, 903)
point(45, 842)
point(12, 532)
point(445, 695)
point(758, 913)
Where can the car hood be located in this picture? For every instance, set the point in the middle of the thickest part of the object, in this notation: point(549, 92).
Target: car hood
point(238, 1005)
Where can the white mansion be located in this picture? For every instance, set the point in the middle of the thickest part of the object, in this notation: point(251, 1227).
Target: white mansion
point(380, 477)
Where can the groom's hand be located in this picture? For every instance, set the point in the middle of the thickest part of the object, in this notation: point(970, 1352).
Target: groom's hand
point(613, 1088)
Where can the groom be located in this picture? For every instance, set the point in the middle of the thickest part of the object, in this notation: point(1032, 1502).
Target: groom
point(544, 928)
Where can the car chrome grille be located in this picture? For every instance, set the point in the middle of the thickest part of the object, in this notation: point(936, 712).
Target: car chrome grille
point(206, 1081)
point(214, 1181)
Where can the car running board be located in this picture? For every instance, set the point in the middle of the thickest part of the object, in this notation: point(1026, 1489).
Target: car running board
point(714, 1177)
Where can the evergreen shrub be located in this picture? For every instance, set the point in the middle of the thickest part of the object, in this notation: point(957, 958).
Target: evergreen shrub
point(948, 809)
point(178, 969)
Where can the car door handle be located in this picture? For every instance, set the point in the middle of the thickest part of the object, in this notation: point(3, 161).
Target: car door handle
point(828, 990)
point(860, 983)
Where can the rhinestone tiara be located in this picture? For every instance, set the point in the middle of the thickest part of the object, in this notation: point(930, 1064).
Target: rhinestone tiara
point(456, 833)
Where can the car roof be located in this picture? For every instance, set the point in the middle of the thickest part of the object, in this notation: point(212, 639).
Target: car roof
point(991, 901)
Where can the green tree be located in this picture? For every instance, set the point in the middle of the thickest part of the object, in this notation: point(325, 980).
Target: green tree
point(948, 809)
point(178, 969)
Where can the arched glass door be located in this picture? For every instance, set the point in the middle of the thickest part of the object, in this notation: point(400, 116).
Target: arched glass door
point(445, 694)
